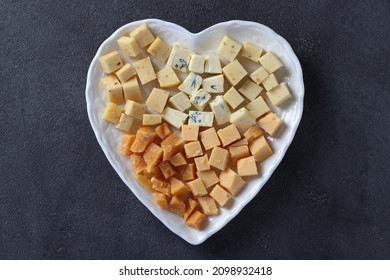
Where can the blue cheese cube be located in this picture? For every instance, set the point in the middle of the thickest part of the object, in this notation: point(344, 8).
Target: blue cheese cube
point(220, 109)
point(191, 84)
point(201, 118)
point(179, 58)
point(212, 65)
point(200, 99)
point(213, 84)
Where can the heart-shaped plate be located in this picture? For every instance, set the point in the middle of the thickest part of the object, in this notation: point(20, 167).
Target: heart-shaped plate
point(203, 42)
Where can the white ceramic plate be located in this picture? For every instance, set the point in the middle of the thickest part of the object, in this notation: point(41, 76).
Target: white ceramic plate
point(203, 43)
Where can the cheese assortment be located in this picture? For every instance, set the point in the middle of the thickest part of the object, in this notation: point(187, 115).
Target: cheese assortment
point(202, 128)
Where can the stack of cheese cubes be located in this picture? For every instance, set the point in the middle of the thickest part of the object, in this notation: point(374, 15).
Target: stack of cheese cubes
point(200, 136)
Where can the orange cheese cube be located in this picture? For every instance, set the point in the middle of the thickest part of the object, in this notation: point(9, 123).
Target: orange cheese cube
point(220, 195)
point(253, 133)
point(142, 140)
point(202, 163)
point(247, 167)
point(231, 181)
point(208, 206)
point(219, 158)
point(171, 145)
point(152, 154)
point(260, 149)
point(209, 139)
point(178, 160)
point(193, 149)
point(242, 142)
point(178, 188)
point(161, 200)
point(270, 123)
point(177, 206)
point(228, 135)
point(189, 133)
point(196, 220)
point(161, 186)
point(197, 187)
point(167, 169)
point(127, 141)
point(208, 177)
point(145, 182)
point(186, 172)
point(191, 206)
point(163, 131)
point(138, 163)
point(239, 152)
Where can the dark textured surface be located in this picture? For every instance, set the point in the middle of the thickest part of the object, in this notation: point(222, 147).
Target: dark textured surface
point(60, 198)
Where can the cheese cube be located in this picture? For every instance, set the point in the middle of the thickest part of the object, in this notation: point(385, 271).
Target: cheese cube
point(253, 133)
point(125, 123)
point(189, 133)
point(270, 82)
point(201, 118)
point(167, 169)
point(219, 158)
point(125, 73)
point(191, 206)
point(260, 149)
point(151, 119)
point(213, 84)
point(145, 182)
point(231, 181)
point(174, 117)
point(239, 152)
point(250, 90)
point(242, 119)
point(196, 220)
point(202, 163)
point(129, 46)
point(137, 163)
point(220, 195)
point(113, 89)
point(167, 78)
point(110, 62)
point(208, 206)
point(145, 70)
point(197, 187)
point(158, 99)
point(177, 206)
point(270, 123)
point(143, 35)
point(193, 149)
point(112, 113)
point(200, 99)
point(208, 177)
point(143, 138)
point(234, 72)
point(152, 155)
point(163, 131)
point(257, 107)
point(178, 160)
point(179, 58)
point(270, 62)
point(171, 146)
point(161, 200)
point(212, 65)
point(247, 167)
point(241, 142)
point(259, 75)
point(159, 49)
point(186, 172)
point(251, 51)
point(131, 90)
point(228, 135)
point(209, 139)
point(127, 141)
point(279, 94)
point(220, 109)
point(197, 63)
point(180, 102)
point(161, 186)
point(233, 98)
point(178, 188)
point(191, 84)
point(228, 48)
point(134, 109)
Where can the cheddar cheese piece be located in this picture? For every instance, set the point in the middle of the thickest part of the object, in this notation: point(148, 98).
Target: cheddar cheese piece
point(219, 158)
point(145, 70)
point(208, 206)
point(158, 99)
point(110, 62)
point(234, 72)
point(129, 46)
point(197, 187)
point(221, 196)
point(270, 123)
point(247, 167)
point(231, 181)
point(260, 149)
point(167, 78)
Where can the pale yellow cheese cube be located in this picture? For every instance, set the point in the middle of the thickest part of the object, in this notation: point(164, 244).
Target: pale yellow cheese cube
point(113, 89)
point(279, 94)
point(260, 149)
point(189, 133)
point(143, 35)
point(159, 49)
point(253, 133)
point(212, 65)
point(145, 70)
point(270, 62)
point(228, 135)
point(112, 113)
point(125, 123)
point(257, 107)
point(231, 181)
point(131, 90)
point(242, 119)
point(193, 149)
point(228, 48)
point(241, 142)
point(134, 109)
point(208, 206)
point(221, 196)
point(219, 158)
point(129, 46)
point(270, 82)
point(151, 119)
point(234, 72)
point(233, 98)
point(158, 99)
point(202, 163)
point(179, 59)
point(213, 84)
point(197, 63)
point(167, 78)
point(209, 138)
point(174, 117)
point(270, 123)
point(239, 152)
point(250, 90)
point(259, 75)
point(180, 101)
point(191, 84)
point(251, 51)
point(110, 62)
point(197, 187)
point(208, 177)
point(247, 167)
point(125, 73)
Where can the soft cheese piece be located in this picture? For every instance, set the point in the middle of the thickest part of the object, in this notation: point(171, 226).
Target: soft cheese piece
point(179, 58)
point(209, 138)
point(220, 195)
point(213, 84)
point(242, 119)
point(251, 51)
point(191, 84)
point(134, 109)
point(233, 98)
point(189, 133)
point(125, 123)
point(202, 163)
point(180, 102)
point(212, 65)
point(110, 62)
point(270, 123)
point(125, 73)
point(200, 99)
point(250, 90)
point(113, 89)
point(270, 82)
point(234, 72)
point(201, 118)
point(174, 117)
point(197, 63)
point(228, 135)
point(247, 167)
point(270, 62)
point(159, 49)
point(279, 94)
point(158, 99)
point(208, 177)
point(231, 181)
point(220, 109)
point(219, 158)
point(167, 78)
point(145, 70)
point(260, 149)
point(259, 75)
point(112, 113)
point(129, 46)
point(208, 206)
point(143, 35)
point(197, 187)
point(258, 107)
point(193, 149)
point(151, 119)
point(228, 48)
point(131, 90)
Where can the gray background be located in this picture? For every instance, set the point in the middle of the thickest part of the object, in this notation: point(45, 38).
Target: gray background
point(60, 198)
